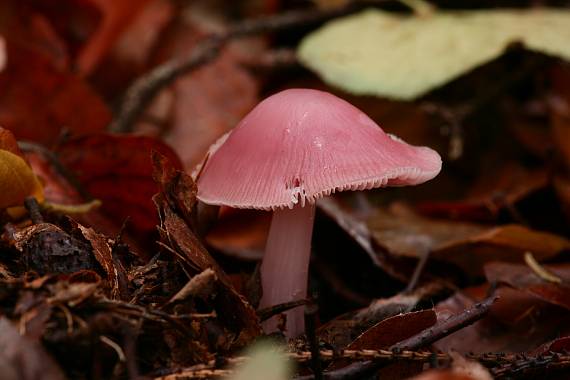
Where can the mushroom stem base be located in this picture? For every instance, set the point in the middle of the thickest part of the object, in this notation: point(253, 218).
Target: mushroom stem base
point(285, 266)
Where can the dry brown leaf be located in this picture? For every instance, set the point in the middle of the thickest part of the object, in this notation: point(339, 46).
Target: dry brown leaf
point(389, 332)
point(524, 278)
point(172, 202)
point(517, 322)
point(404, 234)
point(103, 253)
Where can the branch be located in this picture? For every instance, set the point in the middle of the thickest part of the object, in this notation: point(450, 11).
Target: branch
point(426, 337)
point(447, 327)
point(145, 88)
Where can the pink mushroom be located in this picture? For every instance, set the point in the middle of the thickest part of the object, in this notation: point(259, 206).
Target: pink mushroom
point(293, 148)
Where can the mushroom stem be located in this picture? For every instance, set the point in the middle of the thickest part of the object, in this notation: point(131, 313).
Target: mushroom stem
point(285, 266)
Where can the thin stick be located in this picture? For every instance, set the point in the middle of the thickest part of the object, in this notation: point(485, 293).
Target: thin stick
point(144, 89)
point(418, 272)
point(269, 312)
point(449, 326)
point(33, 208)
point(426, 337)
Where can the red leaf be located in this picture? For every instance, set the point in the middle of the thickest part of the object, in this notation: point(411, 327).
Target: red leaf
point(116, 17)
point(117, 169)
point(38, 101)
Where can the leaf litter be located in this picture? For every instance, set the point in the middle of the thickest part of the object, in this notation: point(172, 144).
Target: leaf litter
point(467, 273)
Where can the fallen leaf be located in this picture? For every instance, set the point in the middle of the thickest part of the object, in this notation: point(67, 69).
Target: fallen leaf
point(116, 16)
point(404, 57)
point(46, 248)
point(524, 278)
point(117, 170)
point(393, 330)
point(209, 101)
point(23, 358)
point(517, 322)
point(103, 253)
point(232, 308)
point(72, 21)
point(345, 328)
point(39, 101)
point(468, 246)
point(131, 53)
point(389, 332)
point(491, 195)
point(24, 25)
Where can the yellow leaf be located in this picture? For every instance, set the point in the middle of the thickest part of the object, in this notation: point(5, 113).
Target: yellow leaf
point(405, 56)
point(17, 181)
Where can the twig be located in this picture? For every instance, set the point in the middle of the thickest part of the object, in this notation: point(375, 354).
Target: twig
point(525, 366)
point(426, 337)
point(310, 327)
point(27, 146)
point(417, 272)
point(272, 59)
point(269, 312)
point(33, 208)
point(449, 326)
point(144, 89)
point(504, 364)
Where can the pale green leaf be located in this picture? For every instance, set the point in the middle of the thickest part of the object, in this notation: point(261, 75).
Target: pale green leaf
point(266, 362)
point(406, 56)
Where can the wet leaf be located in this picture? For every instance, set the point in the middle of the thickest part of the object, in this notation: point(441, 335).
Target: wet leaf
point(404, 57)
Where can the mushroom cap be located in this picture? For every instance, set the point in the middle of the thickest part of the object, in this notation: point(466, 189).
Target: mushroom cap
point(299, 145)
